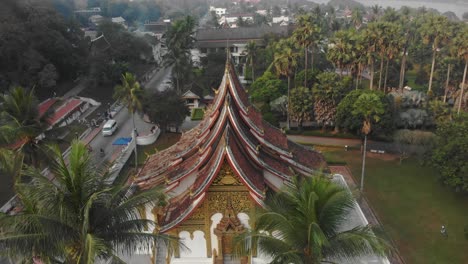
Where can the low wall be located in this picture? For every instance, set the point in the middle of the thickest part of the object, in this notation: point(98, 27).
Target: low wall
point(148, 139)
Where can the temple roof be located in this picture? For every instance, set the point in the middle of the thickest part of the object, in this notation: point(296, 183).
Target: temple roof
point(232, 132)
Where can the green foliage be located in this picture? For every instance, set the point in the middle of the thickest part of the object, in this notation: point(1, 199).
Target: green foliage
point(179, 40)
point(209, 77)
point(129, 93)
point(35, 36)
point(450, 152)
point(126, 47)
point(132, 11)
point(350, 122)
point(301, 105)
point(302, 223)
point(197, 114)
point(80, 217)
point(267, 88)
point(369, 107)
point(165, 108)
point(311, 77)
point(20, 120)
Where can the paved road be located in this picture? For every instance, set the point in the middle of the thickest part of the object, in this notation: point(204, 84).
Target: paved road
point(159, 81)
point(124, 121)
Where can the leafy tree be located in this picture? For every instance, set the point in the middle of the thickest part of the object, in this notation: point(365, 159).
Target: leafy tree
point(301, 105)
point(450, 152)
point(267, 88)
point(328, 92)
point(311, 77)
point(21, 121)
point(80, 217)
point(303, 224)
point(48, 76)
point(165, 108)
point(33, 36)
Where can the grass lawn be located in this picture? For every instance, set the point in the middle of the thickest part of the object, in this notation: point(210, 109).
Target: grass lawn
point(412, 205)
point(197, 114)
point(411, 77)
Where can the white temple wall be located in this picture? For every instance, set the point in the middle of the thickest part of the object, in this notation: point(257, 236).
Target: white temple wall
point(215, 219)
point(196, 243)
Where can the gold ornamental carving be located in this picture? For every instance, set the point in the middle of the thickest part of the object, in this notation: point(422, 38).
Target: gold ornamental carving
point(226, 177)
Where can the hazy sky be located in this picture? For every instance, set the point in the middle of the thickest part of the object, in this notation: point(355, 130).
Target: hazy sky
point(458, 8)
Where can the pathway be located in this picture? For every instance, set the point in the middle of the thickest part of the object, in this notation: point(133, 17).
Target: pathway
point(371, 216)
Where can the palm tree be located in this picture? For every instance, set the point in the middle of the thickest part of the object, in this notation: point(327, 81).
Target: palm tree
point(130, 93)
point(340, 51)
point(461, 42)
point(306, 35)
point(21, 121)
point(434, 32)
point(395, 44)
point(251, 49)
point(356, 18)
point(302, 224)
point(371, 38)
point(369, 107)
point(285, 63)
point(81, 217)
point(179, 40)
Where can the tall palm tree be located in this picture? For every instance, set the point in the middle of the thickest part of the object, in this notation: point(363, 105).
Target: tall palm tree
point(394, 45)
point(356, 18)
point(21, 121)
point(130, 93)
point(369, 107)
point(434, 32)
point(179, 39)
point(371, 38)
point(340, 51)
point(251, 49)
point(285, 63)
point(306, 35)
point(81, 217)
point(302, 224)
point(461, 42)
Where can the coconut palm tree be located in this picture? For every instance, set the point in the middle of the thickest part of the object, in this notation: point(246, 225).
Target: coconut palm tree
point(302, 224)
point(130, 93)
point(251, 49)
point(434, 32)
point(369, 107)
point(80, 217)
point(285, 63)
point(22, 122)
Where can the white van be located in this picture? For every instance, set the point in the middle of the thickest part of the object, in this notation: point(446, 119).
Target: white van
point(109, 128)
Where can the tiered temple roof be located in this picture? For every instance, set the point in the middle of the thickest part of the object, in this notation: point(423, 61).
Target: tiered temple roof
point(232, 131)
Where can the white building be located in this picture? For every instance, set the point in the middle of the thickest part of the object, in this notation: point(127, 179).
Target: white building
point(218, 11)
point(280, 19)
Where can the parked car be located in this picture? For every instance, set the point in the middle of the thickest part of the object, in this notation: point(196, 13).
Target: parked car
point(109, 128)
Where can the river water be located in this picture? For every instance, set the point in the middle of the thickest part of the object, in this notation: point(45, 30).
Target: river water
point(458, 8)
